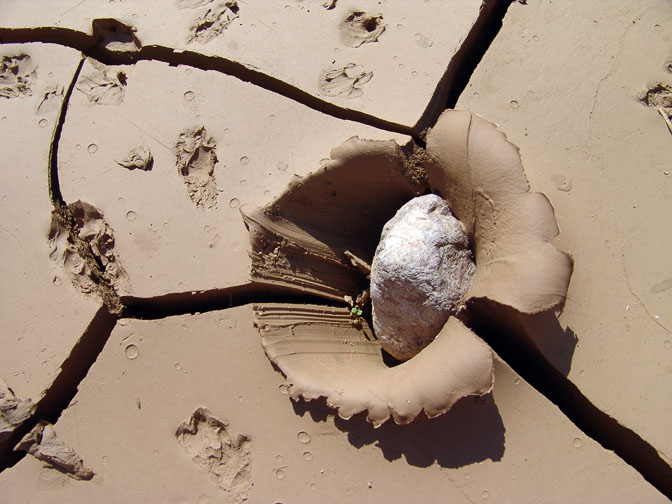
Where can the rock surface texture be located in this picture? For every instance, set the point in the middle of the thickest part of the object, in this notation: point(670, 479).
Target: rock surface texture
point(421, 270)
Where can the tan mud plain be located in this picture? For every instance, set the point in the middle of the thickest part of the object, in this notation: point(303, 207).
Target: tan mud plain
point(563, 81)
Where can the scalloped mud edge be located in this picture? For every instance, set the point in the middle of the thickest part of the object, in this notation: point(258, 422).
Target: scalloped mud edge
point(300, 240)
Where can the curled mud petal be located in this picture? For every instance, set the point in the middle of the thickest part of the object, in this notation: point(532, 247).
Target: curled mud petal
point(305, 238)
point(324, 353)
point(481, 175)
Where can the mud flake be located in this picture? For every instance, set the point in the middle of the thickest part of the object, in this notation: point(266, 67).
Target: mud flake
point(196, 158)
point(208, 442)
point(214, 21)
point(94, 234)
point(344, 82)
point(102, 85)
point(17, 74)
point(361, 28)
point(43, 444)
point(138, 157)
point(114, 35)
point(13, 411)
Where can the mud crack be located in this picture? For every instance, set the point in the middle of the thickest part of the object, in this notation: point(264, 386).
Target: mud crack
point(97, 264)
point(500, 327)
point(90, 46)
point(464, 62)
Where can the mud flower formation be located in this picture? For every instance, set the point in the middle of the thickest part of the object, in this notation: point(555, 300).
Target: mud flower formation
point(307, 237)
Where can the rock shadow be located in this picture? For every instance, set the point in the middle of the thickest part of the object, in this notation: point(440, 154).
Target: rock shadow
point(472, 431)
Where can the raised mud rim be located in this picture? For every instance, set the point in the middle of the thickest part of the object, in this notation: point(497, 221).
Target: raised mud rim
point(300, 241)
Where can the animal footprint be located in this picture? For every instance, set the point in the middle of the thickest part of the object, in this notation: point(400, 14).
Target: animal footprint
point(207, 441)
point(196, 158)
point(103, 86)
point(346, 81)
point(360, 28)
point(17, 74)
point(51, 100)
point(214, 21)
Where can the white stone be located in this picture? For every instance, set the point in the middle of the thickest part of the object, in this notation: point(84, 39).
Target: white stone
point(421, 270)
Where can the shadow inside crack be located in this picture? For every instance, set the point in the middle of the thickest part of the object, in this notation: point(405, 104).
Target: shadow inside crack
point(56, 398)
point(464, 62)
point(501, 327)
point(557, 344)
point(111, 43)
point(471, 432)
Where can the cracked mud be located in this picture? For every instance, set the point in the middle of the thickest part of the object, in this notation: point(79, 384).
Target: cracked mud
point(88, 240)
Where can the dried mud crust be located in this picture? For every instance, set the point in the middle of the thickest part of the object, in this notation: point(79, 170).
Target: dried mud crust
point(208, 442)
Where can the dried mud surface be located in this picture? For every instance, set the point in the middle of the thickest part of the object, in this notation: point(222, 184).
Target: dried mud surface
point(165, 165)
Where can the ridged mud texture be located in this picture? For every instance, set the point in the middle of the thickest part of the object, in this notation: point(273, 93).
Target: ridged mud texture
point(115, 46)
point(139, 157)
point(325, 353)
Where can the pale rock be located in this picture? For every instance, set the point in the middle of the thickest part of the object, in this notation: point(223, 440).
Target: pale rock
point(421, 270)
